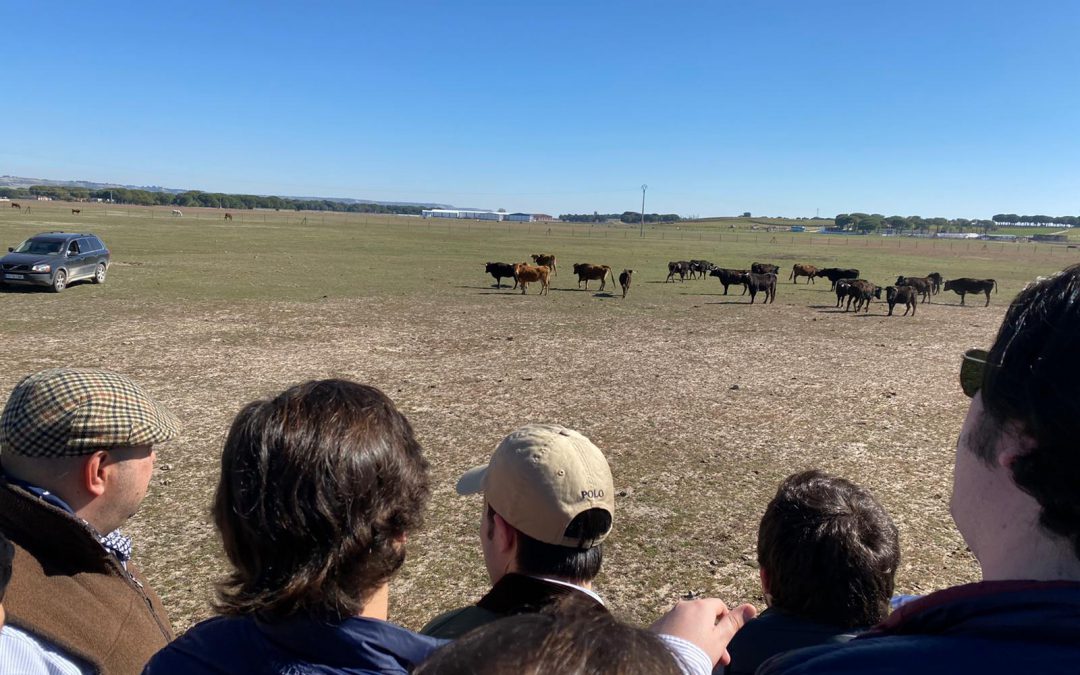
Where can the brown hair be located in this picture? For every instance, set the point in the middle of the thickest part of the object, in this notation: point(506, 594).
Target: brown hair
point(567, 637)
point(830, 551)
point(318, 488)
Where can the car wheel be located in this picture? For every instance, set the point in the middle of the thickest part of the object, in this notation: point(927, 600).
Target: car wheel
point(59, 281)
point(99, 274)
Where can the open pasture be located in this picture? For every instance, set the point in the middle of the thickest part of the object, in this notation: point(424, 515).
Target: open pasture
point(702, 402)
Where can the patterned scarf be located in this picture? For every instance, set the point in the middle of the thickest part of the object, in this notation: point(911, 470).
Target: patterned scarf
point(119, 545)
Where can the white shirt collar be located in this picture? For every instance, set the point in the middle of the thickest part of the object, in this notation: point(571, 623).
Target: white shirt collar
point(584, 590)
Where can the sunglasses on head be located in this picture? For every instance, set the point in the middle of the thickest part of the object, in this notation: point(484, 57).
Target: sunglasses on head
point(971, 371)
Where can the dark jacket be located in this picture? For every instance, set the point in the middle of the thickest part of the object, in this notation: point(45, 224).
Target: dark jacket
point(987, 627)
point(68, 589)
point(514, 594)
point(297, 646)
point(775, 632)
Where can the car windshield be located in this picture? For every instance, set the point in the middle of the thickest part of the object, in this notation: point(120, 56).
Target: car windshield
point(44, 246)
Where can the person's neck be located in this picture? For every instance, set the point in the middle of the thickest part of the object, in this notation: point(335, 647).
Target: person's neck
point(378, 604)
point(1031, 554)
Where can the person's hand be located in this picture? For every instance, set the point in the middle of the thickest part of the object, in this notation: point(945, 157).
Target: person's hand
point(707, 623)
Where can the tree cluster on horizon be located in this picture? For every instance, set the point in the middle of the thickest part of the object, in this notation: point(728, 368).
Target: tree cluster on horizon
point(625, 217)
point(198, 198)
point(872, 222)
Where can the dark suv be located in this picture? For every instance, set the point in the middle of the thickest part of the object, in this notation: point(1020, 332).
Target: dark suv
point(55, 259)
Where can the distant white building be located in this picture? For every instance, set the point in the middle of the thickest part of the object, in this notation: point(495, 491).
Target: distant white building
point(463, 214)
point(957, 235)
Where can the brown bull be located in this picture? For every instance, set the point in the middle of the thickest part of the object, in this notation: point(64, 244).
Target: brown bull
point(548, 260)
point(527, 274)
point(904, 295)
point(922, 285)
point(808, 271)
point(624, 280)
point(587, 272)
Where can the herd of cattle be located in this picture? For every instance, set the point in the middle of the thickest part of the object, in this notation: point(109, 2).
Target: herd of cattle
point(760, 278)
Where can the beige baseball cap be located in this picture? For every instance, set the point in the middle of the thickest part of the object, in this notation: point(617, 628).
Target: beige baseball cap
point(542, 476)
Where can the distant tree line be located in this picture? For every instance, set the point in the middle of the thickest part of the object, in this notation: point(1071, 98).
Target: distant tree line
point(625, 217)
point(198, 198)
point(872, 222)
point(1036, 221)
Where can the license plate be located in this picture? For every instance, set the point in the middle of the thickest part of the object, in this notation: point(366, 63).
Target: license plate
point(14, 276)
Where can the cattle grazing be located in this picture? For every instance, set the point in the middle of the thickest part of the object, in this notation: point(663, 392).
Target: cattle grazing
point(699, 268)
point(500, 270)
point(16, 205)
point(228, 216)
point(808, 271)
point(834, 274)
point(587, 272)
point(728, 277)
point(862, 293)
point(76, 212)
point(761, 282)
point(764, 268)
point(527, 274)
point(547, 260)
point(937, 280)
point(624, 280)
point(966, 285)
point(904, 295)
point(177, 212)
point(680, 267)
point(922, 285)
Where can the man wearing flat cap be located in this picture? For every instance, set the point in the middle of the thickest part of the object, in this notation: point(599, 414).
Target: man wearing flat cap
point(77, 451)
point(549, 503)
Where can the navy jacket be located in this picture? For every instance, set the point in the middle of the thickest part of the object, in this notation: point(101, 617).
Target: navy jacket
point(297, 646)
point(986, 628)
point(775, 632)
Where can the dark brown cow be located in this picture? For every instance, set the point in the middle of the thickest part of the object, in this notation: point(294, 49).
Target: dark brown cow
point(527, 274)
point(905, 295)
point(500, 270)
point(764, 268)
point(834, 274)
point(228, 216)
point(937, 279)
point(728, 277)
point(76, 212)
point(699, 268)
point(922, 285)
point(761, 282)
point(680, 267)
point(966, 285)
point(808, 271)
point(624, 280)
point(548, 260)
point(862, 292)
point(587, 272)
point(16, 205)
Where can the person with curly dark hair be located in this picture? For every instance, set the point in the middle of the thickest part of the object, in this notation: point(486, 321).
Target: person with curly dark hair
point(1016, 501)
point(319, 488)
point(828, 554)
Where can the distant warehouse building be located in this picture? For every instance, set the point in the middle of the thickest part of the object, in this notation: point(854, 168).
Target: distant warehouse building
point(462, 213)
point(520, 217)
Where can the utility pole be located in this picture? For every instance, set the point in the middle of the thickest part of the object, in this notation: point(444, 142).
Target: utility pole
point(643, 189)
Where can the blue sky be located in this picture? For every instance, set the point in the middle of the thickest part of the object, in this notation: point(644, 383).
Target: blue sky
point(955, 109)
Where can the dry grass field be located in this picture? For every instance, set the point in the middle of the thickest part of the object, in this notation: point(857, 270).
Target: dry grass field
point(702, 402)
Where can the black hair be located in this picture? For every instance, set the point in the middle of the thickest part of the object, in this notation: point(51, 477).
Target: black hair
point(578, 564)
point(1032, 380)
point(7, 555)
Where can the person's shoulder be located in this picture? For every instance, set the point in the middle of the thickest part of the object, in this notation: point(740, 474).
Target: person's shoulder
point(23, 652)
point(215, 645)
point(455, 623)
point(891, 653)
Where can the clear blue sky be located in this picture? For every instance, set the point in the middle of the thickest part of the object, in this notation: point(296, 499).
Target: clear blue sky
point(946, 108)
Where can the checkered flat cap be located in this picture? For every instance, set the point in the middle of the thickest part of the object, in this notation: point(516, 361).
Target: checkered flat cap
point(73, 411)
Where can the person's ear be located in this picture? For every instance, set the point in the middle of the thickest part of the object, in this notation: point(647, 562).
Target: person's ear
point(764, 581)
point(505, 538)
point(95, 473)
point(1011, 444)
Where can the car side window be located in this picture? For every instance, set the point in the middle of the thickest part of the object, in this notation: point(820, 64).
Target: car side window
point(74, 247)
point(87, 245)
point(98, 244)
